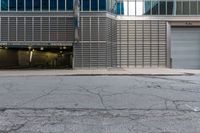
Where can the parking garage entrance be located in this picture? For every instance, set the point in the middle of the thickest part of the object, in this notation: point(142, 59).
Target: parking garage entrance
point(36, 57)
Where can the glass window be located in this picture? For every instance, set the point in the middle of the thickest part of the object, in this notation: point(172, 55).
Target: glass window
point(94, 5)
point(45, 5)
point(131, 8)
point(154, 7)
point(186, 7)
point(69, 4)
point(147, 7)
point(28, 5)
point(170, 7)
point(4, 5)
point(20, 5)
point(139, 7)
point(53, 5)
point(37, 5)
point(162, 7)
point(102, 5)
point(86, 4)
point(179, 8)
point(193, 7)
point(12, 5)
point(61, 5)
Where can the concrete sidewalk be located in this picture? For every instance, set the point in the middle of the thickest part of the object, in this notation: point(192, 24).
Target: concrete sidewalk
point(99, 72)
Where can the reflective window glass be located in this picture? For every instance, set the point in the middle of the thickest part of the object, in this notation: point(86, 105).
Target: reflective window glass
point(86, 4)
point(4, 5)
point(170, 7)
point(162, 7)
point(94, 5)
point(186, 7)
point(45, 5)
point(53, 5)
point(102, 5)
point(179, 8)
point(61, 5)
point(139, 8)
point(37, 5)
point(147, 7)
point(193, 7)
point(154, 7)
point(28, 5)
point(131, 8)
point(12, 5)
point(69, 4)
point(20, 5)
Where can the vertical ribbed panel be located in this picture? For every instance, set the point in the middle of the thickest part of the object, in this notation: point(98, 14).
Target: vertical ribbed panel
point(86, 28)
point(37, 29)
point(102, 29)
point(70, 29)
point(62, 29)
point(45, 29)
point(12, 29)
point(20, 29)
point(146, 45)
point(29, 29)
point(4, 29)
point(94, 29)
point(53, 29)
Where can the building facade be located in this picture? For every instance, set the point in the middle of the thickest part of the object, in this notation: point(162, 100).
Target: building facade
point(112, 33)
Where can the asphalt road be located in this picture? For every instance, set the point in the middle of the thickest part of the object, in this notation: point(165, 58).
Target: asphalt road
point(99, 104)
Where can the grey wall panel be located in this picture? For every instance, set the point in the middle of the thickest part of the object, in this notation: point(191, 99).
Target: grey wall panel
point(4, 29)
point(12, 29)
point(37, 28)
point(141, 43)
point(29, 28)
point(20, 29)
point(45, 29)
point(53, 28)
point(185, 48)
point(69, 29)
point(62, 29)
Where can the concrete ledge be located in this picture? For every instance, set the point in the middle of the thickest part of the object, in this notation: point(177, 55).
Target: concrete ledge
point(102, 72)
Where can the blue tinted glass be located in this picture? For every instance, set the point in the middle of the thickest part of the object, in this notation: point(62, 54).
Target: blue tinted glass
point(69, 4)
point(4, 5)
point(86, 4)
point(61, 5)
point(162, 7)
point(102, 4)
point(28, 5)
point(20, 5)
point(37, 5)
point(12, 5)
point(94, 4)
point(53, 5)
point(45, 5)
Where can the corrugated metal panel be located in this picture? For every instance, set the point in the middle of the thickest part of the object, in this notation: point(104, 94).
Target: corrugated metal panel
point(45, 29)
point(20, 29)
point(69, 29)
point(12, 29)
point(53, 29)
point(185, 48)
point(62, 29)
point(141, 43)
point(29, 29)
point(4, 29)
point(37, 29)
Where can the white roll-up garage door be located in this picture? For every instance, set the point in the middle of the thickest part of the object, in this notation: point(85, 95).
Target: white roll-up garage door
point(185, 48)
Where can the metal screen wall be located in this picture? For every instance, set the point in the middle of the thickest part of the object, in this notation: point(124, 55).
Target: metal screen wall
point(97, 48)
point(42, 29)
point(141, 43)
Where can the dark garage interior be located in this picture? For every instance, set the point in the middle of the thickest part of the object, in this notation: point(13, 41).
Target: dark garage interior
point(36, 57)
